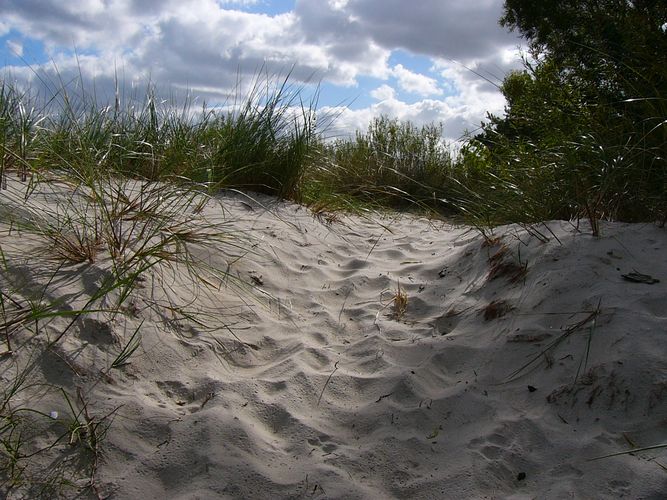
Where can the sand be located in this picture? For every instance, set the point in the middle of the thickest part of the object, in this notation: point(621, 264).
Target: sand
point(522, 356)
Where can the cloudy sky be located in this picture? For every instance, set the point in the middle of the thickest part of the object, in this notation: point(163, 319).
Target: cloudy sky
point(419, 60)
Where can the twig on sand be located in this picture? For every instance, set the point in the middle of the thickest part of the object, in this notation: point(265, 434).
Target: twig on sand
point(591, 317)
point(340, 313)
point(385, 229)
point(384, 396)
point(327, 382)
point(628, 452)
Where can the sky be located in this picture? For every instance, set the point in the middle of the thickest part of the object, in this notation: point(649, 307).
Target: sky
point(426, 61)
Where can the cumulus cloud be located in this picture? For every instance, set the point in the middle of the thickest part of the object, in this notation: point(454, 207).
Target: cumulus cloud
point(415, 83)
point(209, 45)
point(470, 97)
point(383, 93)
point(458, 114)
point(457, 29)
point(243, 3)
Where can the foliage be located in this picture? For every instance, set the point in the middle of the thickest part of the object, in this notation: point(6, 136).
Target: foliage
point(393, 163)
point(617, 45)
point(585, 129)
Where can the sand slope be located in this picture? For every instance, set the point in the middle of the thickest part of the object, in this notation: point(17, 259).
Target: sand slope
point(519, 358)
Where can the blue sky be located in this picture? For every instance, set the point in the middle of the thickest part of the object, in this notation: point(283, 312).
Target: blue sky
point(409, 60)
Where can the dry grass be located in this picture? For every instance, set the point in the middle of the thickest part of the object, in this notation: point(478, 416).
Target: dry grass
point(76, 247)
point(130, 234)
point(491, 241)
point(400, 302)
point(513, 271)
point(325, 214)
point(496, 309)
point(500, 265)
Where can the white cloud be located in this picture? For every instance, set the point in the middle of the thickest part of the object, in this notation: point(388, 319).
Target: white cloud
point(383, 92)
point(459, 113)
point(15, 47)
point(208, 44)
point(338, 4)
point(415, 83)
point(244, 3)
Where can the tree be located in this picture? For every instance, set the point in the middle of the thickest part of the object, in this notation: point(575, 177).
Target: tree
point(617, 46)
point(592, 107)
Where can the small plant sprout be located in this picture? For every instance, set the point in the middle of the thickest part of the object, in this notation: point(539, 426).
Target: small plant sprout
point(132, 345)
point(400, 301)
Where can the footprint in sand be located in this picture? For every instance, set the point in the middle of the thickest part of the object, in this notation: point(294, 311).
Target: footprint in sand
point(96, 332)
point(501, 459)
point(324, 443)
point(447, 324)
point(490, 447)
point(184, 396)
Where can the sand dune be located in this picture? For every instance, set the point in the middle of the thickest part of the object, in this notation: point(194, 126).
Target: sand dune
point(519, 358)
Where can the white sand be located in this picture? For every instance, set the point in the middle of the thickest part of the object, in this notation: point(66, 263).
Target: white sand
point(329, 396)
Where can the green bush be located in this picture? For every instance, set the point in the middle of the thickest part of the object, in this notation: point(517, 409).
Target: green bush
point(585, 128)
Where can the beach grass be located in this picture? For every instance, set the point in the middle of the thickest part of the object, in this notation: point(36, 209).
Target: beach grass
point(267, 139)
point(130, 240)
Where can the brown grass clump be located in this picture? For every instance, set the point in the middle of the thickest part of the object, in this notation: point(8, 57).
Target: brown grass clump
point(496, 309)
point(514, 272)
point(502, 267)
point(499, 255)
point(327, 218)
point(75, 247)
point(400, 301)
point(491, 241)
